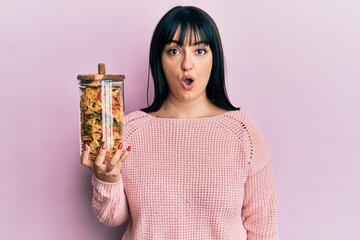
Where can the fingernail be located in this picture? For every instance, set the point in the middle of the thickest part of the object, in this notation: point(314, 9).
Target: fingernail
point(104, 146)
point(120, 146)
point(85, 147)
point(128, 148)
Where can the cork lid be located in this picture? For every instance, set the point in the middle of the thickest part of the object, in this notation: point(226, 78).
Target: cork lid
point(100, 76)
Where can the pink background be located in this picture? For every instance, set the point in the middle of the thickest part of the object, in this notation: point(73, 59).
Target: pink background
point(294, 66)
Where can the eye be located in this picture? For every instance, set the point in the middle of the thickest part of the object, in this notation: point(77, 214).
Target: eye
point(201, 51)
point(173, 51)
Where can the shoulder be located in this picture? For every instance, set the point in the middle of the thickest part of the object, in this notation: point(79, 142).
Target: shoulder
point(249, 133)
point(240, 122)
point(136, 120)
point(136, 116)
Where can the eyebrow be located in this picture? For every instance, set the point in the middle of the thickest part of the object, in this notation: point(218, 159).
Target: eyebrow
point(194, 44)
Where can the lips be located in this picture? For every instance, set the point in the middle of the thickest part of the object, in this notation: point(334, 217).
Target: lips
point(187, 82)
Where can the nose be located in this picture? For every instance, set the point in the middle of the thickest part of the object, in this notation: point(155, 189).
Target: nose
point(187, 63)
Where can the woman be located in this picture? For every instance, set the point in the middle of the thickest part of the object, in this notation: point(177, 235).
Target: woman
point(199, 168)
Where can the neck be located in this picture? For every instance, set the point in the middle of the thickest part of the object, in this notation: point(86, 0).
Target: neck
point(189, 109)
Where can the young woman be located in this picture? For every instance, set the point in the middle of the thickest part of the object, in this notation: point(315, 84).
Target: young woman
point(199, 168)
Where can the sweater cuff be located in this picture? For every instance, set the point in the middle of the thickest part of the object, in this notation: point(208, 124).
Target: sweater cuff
point(109, 190)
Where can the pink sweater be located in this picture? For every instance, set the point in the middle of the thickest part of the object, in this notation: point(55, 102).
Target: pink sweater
point(206, 178)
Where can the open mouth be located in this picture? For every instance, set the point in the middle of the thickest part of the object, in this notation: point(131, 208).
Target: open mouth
point(188, 81)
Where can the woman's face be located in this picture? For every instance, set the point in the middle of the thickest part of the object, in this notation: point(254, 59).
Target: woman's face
point(187, 68)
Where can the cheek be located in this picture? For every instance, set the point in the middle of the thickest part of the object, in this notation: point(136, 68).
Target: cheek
point(169, 72)
point(167, 65)
point(208, 64)
point(208, 67)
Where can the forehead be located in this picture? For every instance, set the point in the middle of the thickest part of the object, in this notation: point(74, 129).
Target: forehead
point(187, 36)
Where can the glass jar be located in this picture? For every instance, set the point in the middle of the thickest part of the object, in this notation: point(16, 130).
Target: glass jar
point(101, 111)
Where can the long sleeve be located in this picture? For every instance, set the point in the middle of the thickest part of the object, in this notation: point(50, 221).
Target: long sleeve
point(260, 206)
point(109, 202)
point(260, 202)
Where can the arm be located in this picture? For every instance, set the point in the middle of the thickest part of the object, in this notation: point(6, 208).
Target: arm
point(109, 202)
point(260, 203)
point(260, 206)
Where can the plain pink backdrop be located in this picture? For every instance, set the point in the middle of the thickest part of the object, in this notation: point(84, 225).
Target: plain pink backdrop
point(294, 66)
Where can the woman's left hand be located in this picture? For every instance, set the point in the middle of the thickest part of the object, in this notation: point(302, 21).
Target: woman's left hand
point(105, 170)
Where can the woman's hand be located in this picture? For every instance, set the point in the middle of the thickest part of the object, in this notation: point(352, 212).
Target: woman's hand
point(106, 171)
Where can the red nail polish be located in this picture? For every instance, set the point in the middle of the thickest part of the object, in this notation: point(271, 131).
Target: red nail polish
point(120, 146)
point(128, 148)
point(85, 147)
point(104, 146)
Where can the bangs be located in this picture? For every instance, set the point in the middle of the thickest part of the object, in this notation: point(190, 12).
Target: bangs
point(189, 23)
point(189, 34)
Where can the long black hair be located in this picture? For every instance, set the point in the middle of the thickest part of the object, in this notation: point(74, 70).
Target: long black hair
point(202, 26)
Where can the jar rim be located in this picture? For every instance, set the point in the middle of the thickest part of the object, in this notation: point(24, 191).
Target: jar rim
point(100, 77)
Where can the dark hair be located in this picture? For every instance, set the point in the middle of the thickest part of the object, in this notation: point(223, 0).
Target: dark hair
point(202, 26)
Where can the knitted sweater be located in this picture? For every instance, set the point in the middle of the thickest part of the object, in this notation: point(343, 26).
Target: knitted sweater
point(205, 178)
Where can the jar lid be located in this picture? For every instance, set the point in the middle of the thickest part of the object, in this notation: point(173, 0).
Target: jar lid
point(101, 75)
